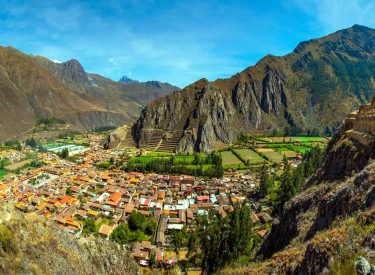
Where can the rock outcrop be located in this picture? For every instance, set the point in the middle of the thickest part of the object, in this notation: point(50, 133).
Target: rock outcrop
point(323, 229)
point(343, 187)
point(30, 244)
point(312, 88)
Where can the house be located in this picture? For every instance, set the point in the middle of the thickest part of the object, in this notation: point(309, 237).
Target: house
point(105, 230)
point(265, 217)
point(114, 199)
point(203, 199)
point(262, 233)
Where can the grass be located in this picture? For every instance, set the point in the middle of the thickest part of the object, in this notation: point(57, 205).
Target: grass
point(300, 149)
point(3, 172)
point(271, 154)
point(234, 166)
point(229, 158)
point(179, 159)
point(290, 154)
point(250, 155)
point(158, 154)
point(18, 165)
point(265, 150)
point(308, 139)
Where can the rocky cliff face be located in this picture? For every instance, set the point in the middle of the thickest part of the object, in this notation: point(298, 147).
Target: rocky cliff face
point(331, 222)
point(343, 187)
point(33, 245)
point(314, 87)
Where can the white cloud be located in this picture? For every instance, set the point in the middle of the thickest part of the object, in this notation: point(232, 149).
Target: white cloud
point(333, 15)
point(112, 61)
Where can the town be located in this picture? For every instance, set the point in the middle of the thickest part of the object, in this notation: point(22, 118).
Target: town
point(85, 198)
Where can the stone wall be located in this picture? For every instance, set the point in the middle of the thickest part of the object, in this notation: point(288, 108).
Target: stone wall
point(365, 119)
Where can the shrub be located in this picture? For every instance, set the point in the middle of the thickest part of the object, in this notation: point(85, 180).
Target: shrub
point(7, 240)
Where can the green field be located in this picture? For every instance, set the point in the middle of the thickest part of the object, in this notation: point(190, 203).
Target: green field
point(300, 148)
point(229, 158)
point(250, 155)
point(179, 159)
point(158, 154)
point(288, 152)
point(274, 156)
point(3, 172)
point(308, 139)
point(198, 164)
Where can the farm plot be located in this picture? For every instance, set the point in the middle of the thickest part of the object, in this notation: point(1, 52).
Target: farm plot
point(250, 155)
point(308, 139)
point(230, 160)
point(271, 154)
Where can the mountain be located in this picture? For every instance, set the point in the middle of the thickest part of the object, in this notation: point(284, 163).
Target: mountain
point(307, 91)
point(126, 79)
point(33, 87)
point(145, 92)
point(30, 244)
point(325, 228)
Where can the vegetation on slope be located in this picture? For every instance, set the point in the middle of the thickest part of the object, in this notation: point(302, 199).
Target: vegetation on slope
point(33, 245)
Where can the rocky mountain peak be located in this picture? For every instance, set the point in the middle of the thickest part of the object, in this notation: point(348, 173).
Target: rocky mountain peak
point(72, 71)
point(126, 79)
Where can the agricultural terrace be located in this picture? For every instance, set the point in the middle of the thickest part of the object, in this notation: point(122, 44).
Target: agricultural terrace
point(253, 152)
point(231, 161)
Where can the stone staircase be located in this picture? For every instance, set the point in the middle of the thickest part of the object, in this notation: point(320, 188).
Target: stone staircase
point(168, 145)
point(154, 141)
point(128, 141)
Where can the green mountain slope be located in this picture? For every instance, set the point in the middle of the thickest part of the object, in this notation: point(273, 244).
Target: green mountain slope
point(309, 90)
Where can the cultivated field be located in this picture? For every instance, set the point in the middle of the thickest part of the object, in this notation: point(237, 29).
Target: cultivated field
point(17, 165)
point(231, 161)
point(271, 154)
point(250, 155)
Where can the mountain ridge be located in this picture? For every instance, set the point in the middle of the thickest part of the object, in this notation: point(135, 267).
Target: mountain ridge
point(311, 88)
point(34, 87)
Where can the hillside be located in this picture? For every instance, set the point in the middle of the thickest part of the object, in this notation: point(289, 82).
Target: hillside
point(33, 87)
point(308, 90)
point(33, 245)
point(331, 222)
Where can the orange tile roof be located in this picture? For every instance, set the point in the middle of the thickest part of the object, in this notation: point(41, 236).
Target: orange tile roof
point(41, 206)
point(65, 199)
point(105, 230)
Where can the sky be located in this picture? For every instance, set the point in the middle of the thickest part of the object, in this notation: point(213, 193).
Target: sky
point(175, 41)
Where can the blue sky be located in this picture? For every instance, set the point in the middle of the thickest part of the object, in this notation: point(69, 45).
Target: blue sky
point(176, 41)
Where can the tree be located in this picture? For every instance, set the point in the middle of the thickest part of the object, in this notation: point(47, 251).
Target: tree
point(151, 227)
point(179, 239)
point(287, 190)
point(137, 221)
point(219, 240)
point(152, 259)
point(69, 191)
point(285, 160)
point(64, 153)
point(89, 226)
point(293, 180)
point(122, 234)
point(31, 142)
point(264, 184)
